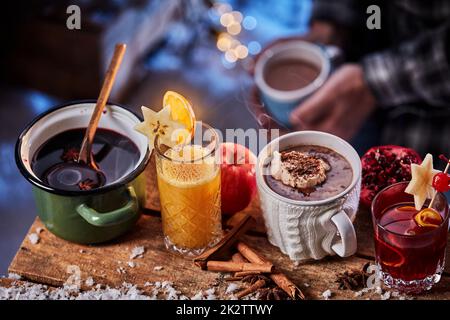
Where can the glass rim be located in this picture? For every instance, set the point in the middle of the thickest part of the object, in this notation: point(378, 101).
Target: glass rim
point(210, 152)
point(435, 230)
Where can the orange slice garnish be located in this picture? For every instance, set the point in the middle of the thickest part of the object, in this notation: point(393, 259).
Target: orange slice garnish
point(428, 218)
point(173, 124)
point(181, 112)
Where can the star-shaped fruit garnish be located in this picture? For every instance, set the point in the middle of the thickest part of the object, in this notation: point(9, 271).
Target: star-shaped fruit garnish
point(421, 182)
point(173, 124)
point(159, 124)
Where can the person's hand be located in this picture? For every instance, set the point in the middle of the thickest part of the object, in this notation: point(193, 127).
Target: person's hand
point(339, 107)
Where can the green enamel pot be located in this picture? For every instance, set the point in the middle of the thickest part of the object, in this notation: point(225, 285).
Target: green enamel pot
point(85, 216)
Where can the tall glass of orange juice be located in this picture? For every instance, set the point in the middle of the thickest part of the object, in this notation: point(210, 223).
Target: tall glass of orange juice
point(189, 187)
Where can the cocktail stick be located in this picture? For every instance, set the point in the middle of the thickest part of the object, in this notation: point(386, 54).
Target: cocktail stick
point(434, 196)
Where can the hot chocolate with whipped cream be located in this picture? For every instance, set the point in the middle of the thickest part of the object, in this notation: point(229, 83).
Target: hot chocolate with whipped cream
point(308, 173)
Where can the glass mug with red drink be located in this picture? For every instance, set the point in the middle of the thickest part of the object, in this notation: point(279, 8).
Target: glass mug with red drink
point(410, 244)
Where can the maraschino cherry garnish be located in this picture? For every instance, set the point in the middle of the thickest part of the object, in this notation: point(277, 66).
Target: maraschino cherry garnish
point(441, 181)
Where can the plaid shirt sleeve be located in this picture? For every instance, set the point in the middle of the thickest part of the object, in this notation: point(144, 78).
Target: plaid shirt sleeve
point(414, 71)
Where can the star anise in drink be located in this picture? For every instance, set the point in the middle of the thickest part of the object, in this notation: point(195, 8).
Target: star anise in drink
point(87, 184)
point(70, 155)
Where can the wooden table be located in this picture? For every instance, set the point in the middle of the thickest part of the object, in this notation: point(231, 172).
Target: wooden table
point(47, 261)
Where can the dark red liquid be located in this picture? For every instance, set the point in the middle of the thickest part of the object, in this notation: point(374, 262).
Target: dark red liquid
point(115, 155)
point(406, 250)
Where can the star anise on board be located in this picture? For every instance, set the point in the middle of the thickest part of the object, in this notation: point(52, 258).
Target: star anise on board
point(273, 293)
point(353, 280)
point(255, 277)
point(270, 291)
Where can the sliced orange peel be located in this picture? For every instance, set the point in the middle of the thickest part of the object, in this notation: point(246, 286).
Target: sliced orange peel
point(407, 208)
point(394, 264)
point(173, 124)
point(428, 218)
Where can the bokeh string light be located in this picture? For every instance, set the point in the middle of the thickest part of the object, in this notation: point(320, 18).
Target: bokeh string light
point(233, 23)
point(224, 42)
point(241, 51)
point(249, 23)
point(226, 19)
point(254, 47)
point(234, 28)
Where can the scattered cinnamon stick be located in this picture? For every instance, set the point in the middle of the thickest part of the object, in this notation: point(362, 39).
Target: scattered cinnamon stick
point(279, 278)
point(254, 287)
point(249, 254)
point(237, 257)
point(233, 279)
point(230, 266)
point(242, 274)
point(227, 242)
point(246, 262)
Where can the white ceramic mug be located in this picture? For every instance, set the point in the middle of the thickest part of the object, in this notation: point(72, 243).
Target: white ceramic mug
point(310, 229)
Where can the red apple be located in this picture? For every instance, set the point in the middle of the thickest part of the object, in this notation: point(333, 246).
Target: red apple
point(238, 177)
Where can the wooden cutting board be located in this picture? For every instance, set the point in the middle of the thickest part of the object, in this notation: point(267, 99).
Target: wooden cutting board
point(47, 262)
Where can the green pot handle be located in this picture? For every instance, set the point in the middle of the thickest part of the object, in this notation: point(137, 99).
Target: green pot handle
point(129, 210)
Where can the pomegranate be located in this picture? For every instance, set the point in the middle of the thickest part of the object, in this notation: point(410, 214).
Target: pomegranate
point(383, 166)
point(238, 182)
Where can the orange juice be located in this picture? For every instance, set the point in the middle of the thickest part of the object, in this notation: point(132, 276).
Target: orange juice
point(189, 187)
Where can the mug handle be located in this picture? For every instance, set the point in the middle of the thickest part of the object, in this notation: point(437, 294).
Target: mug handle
point(347, 245)
point(129, 210)
point(335, 54)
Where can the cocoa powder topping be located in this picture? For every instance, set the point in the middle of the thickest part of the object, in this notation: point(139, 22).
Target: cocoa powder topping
point(301, 165)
